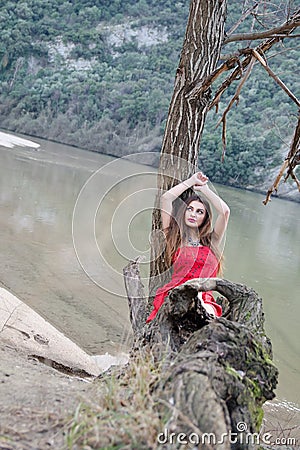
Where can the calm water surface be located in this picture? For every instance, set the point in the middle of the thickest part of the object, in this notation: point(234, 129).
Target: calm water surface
point(70, 219)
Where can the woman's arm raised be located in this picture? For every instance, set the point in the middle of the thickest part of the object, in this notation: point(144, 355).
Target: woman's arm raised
point(198, 182)
point(166, 202)
point(221, 207)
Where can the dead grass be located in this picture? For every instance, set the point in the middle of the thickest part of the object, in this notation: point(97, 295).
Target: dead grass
point(123, 413)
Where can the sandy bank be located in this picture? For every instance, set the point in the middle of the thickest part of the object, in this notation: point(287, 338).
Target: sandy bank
point(36, 399)
point(23, 329)
point(8, 140)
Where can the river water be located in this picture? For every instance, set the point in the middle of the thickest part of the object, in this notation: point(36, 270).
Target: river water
point(71, 219)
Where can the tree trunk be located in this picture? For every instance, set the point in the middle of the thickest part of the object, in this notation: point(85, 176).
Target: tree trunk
point(179, 155)
point(218, 372)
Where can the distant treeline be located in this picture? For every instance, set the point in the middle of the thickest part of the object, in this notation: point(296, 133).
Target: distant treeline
point(64, 78)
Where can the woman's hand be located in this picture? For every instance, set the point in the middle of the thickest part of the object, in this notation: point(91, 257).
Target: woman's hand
point(199, 180)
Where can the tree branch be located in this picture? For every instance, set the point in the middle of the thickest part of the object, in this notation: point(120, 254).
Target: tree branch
point(242, 18)
point(274, 187)
point(136, 295)
point(294, 154)
point(283, 29)
point(201, 86)
point(275, 77)
point(291, 161)
point(242, 65)
point(234, 98)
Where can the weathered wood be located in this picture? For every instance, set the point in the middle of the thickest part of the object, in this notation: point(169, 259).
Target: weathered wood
point(218, 372)
point(136, 296)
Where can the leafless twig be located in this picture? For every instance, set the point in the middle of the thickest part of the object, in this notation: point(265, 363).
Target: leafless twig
point(234, 99)
point(5, 324)
point(290, 163)
point(275, 77)
point(282, 29)
point(242, 18)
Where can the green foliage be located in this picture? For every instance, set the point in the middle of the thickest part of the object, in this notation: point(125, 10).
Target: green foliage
point(63, 78)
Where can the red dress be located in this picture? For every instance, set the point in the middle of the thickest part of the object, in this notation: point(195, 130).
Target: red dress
point(189, 263)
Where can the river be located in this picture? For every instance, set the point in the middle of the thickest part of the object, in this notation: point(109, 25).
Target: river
point(70, 219)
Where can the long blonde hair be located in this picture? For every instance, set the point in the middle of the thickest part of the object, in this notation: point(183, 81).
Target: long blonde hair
point(177, 232)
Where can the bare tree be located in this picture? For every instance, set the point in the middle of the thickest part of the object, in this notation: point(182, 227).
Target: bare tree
point(199, 67)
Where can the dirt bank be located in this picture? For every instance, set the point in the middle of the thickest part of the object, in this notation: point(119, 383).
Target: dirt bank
point(35, 402)
point(44, 376)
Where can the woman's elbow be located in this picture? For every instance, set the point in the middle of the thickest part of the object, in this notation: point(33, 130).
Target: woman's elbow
point(166, 200)
point(226, 212)
point(167, 196)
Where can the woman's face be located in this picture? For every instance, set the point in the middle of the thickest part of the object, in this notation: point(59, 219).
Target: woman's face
point(194, 214)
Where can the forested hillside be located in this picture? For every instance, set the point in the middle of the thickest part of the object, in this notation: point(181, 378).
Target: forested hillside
point(100, 75)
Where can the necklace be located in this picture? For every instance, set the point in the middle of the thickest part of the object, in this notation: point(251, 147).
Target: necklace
point(193, 243)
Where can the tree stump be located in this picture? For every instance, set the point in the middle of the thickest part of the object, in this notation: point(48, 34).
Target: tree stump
point(218, 371)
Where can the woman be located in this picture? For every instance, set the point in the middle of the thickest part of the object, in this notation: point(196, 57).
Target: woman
point(192, 243)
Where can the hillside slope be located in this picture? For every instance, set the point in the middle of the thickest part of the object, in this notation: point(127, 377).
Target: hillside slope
point(101, 77)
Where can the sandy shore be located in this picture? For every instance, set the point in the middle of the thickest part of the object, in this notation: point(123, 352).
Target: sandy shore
point(43, 377)
point(22, 328)
point(9, 141)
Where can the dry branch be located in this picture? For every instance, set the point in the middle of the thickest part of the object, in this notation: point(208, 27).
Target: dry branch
point(275, 77)
point(136, 295)
point(242, 18)
point(241, 66)
point(281, 30)
point(262, 61)
point(235, 98)
point(294, 154)
point(246, 65)
point(202, 86)
point(275, 185)
point(290, 163)
point(286, 30)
